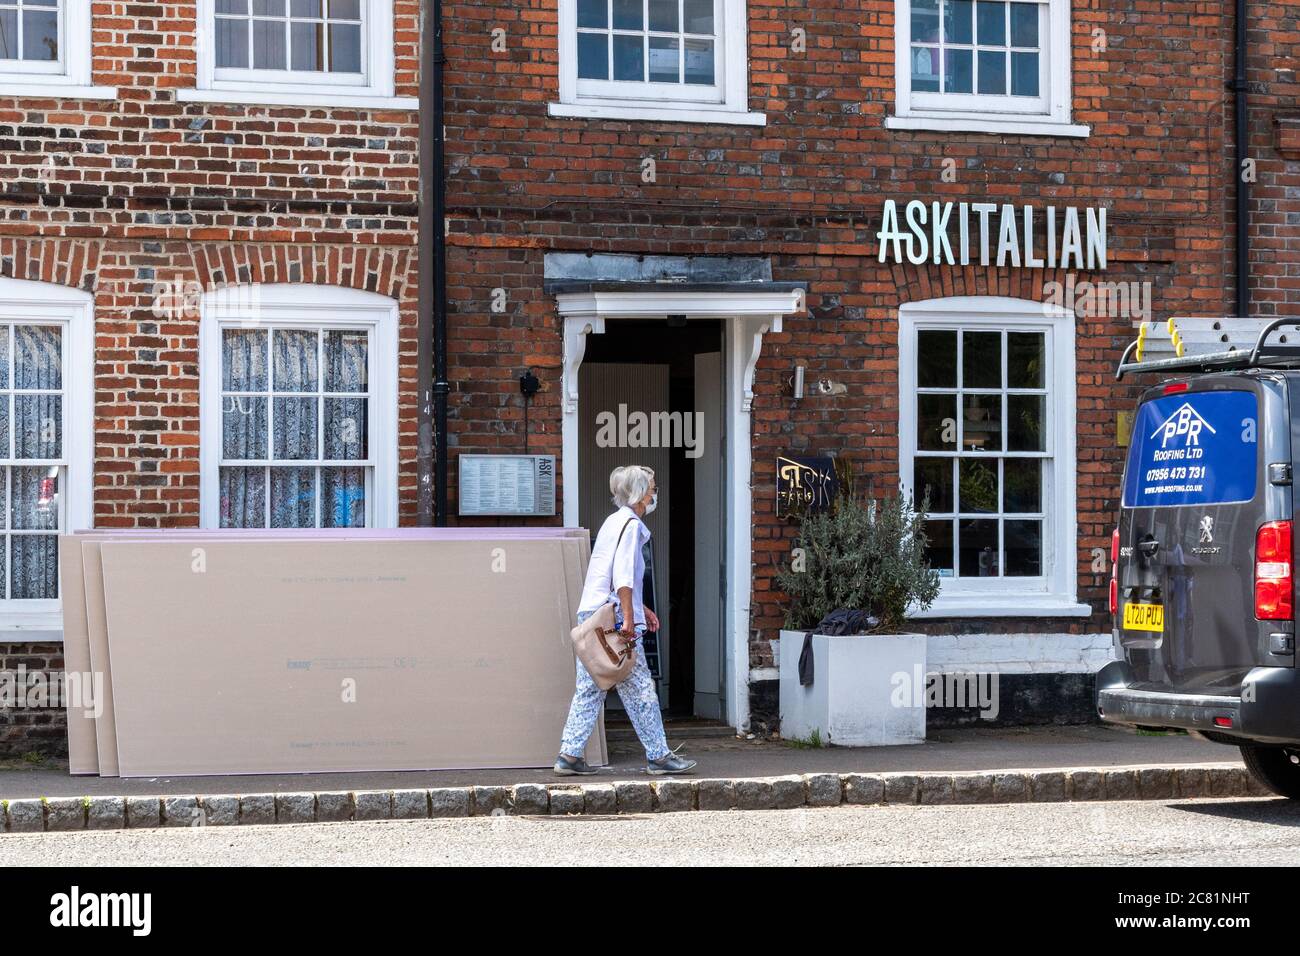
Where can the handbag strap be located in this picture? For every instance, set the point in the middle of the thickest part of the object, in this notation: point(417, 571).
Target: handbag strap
point(620, 534)
point(616, 544)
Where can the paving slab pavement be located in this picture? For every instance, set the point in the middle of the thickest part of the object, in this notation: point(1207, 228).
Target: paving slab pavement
point(948, 751)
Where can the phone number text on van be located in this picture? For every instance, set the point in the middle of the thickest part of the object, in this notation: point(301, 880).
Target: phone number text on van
point(1181, 473)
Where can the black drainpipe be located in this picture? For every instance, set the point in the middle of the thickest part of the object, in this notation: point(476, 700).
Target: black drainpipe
point(431, 369)
point(1243, 149)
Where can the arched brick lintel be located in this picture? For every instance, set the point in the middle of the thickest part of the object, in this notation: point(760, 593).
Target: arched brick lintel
point(918, 283)
point(75, 263)
point(366, 268)
point(67, 262)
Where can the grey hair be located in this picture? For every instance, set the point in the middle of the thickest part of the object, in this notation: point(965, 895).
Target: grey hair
point(629, 483)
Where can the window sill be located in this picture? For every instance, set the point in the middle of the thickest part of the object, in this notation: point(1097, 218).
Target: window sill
point(987, 124)
point(38, 632)
point(1003, 605)
point(325, 98)
point(669, 114)
point(57, 91)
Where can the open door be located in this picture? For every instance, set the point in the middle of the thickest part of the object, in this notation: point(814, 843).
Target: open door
point(678, 370)
point(710, 574)
point(623, 389)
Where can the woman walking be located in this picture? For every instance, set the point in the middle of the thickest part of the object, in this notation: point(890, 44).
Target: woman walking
point(615, 574)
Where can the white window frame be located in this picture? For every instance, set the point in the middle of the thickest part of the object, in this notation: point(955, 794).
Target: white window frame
point(374, 90)
point(1047, 115)
point(313, 307)
point(725, 102)
point(1055, 594)
point(42, 303)
point(69, 77)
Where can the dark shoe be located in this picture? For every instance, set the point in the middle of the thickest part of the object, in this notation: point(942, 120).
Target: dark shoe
point(669, 763)
point(572, 766)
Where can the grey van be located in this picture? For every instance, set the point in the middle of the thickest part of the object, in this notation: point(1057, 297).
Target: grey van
point(1202, 586)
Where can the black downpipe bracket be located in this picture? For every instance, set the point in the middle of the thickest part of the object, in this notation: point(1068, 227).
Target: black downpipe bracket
point(431, 464)
point(1242, 116)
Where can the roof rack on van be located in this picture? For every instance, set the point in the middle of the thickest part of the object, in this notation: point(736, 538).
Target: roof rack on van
point(1275, 355)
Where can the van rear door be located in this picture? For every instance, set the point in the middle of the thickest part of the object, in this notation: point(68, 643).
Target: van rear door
point(1196, 493)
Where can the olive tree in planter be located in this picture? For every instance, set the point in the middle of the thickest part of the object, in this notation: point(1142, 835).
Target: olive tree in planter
point(864, 556)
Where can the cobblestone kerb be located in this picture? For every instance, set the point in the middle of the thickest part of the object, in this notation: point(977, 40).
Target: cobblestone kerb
point(35, 815)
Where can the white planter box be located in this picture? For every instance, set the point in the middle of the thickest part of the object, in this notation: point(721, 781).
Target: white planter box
point(864, 691)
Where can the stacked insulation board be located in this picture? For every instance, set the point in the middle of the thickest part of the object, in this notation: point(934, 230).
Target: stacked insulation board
point(243, 651)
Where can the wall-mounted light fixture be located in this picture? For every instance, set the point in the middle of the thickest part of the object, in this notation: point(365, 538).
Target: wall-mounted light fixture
point(796, 386)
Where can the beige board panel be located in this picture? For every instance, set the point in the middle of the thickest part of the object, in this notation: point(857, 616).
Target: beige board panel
point(241, 669)
point(97, 627)
point(83, 757)
point(576, 571)
point(585, 537)
point(87, 740)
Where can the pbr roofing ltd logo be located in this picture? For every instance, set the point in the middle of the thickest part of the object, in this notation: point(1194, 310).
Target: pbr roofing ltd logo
point(1186, 423)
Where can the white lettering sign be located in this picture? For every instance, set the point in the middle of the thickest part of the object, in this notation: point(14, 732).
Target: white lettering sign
point(1003, 235)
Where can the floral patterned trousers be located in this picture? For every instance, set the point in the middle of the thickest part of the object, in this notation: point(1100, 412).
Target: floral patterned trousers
point(639, 700)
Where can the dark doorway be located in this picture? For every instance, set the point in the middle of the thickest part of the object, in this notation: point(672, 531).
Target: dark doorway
point(654, 365)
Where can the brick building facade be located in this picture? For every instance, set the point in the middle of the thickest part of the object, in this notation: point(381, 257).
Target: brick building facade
point(1274, 90)
point(692, 187)
point(1134, 117)
point(148, 160)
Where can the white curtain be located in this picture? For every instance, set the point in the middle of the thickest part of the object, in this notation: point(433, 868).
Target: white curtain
point(38, 434)
point(294, 439)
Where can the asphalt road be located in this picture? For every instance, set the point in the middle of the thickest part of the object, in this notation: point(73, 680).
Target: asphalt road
point(1189, 832)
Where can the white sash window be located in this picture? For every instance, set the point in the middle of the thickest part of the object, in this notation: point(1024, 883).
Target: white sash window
point(45, 50)
point(296, 52)
point(683, 60)
point(298, 408)
point(983, 65)
point(46, 417)
point(987, 432)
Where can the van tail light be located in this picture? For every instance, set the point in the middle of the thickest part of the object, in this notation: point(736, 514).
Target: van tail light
point(1273, 576)
point(1114, 572)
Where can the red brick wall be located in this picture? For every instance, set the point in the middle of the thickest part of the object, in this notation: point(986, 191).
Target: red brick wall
point(31, 729)
point(1274, 57)
point(806, 191)
point(117, 197)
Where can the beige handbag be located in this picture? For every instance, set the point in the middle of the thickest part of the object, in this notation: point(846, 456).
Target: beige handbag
point(608, 656)
point(606, 653)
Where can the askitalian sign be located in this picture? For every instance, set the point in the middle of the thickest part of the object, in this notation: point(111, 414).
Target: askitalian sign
point(950, 233)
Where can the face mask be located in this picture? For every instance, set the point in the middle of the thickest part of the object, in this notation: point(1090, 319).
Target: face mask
point(654, 500)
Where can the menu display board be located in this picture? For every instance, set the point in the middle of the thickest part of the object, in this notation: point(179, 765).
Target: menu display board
point(514, 485)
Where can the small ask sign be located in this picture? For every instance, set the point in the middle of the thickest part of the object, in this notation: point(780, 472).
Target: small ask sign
point(804, 485)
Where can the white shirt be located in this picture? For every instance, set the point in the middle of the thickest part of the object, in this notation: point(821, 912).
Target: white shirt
point(610, 570)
